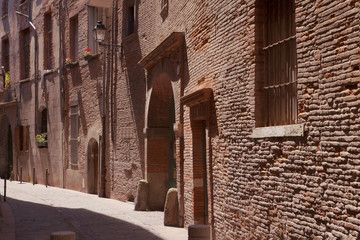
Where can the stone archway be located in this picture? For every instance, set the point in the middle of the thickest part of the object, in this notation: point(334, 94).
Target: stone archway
point(93, 167)
point(6, 153)
point(160, 139)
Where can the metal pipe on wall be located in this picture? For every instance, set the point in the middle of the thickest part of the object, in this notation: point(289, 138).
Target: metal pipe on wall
point(35, 68)
point(61, 87)
point(103, 118)
point(112, 74)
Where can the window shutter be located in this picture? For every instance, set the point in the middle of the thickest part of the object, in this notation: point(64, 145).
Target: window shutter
point(26, 138)
point(17, 138)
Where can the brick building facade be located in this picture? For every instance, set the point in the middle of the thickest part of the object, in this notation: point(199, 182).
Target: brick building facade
point(248, 108)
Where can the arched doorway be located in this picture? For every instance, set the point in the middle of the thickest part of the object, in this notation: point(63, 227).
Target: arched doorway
point(161, 164)
point(93, 166)
point(6, 152)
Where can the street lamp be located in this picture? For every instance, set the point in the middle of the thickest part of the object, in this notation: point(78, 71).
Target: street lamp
point(99, 35)
point(100, 31)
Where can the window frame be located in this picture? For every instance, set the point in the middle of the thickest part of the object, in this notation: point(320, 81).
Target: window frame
point(25, 53)
point(5, 8)
point(43, 121)
point(93, 16)
point(74, 133)
point(74, 37)
point(22, 138)
point(48, 41)
point(130, 17)
point(276, 64)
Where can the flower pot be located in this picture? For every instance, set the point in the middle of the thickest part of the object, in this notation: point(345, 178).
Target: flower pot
point(71, 65)
point(7, 96)
point(88, 57)
point(41, 144)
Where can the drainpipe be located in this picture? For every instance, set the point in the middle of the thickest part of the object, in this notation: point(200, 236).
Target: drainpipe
point(35, 66)
point(61, 95)
point(103, 120)
point(112, 74)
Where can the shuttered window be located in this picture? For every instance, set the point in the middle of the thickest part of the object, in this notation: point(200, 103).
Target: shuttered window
point(48, 53)
point(44, 121)
point(5, 58)
point(92, 21)
point(74, 38)
point(22, 138)
point(5, 5)
point(25, 53)
point(74, 122)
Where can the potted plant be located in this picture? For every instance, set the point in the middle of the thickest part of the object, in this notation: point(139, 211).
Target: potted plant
point(7, 97)
point(7, 80)
point(87, 54)
point(68, 63)
point(41, 140)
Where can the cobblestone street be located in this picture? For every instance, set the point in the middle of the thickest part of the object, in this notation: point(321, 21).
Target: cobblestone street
point(38, 211)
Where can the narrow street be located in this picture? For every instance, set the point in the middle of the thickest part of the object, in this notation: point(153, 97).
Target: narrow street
point(38, 211)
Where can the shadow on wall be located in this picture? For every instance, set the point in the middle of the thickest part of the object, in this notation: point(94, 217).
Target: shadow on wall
point(134, 73)
point(38, 221)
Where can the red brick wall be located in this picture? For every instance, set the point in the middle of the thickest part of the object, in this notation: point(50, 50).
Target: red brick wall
point(299, 188)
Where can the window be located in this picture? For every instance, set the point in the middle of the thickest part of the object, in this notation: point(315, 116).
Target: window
point(164, 4)
point(43, 124)
point(74, 38)
point(25, 53)
point(276, 73)
point(5, 58)
point(22, 138)
point(130, 18)
point(5, 61)
point(5, 5)
point(74, 125)
point(164, 8)
point(48, 53)
point(92, 21)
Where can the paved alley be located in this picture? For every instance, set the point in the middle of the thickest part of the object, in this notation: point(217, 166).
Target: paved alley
point(38, 211)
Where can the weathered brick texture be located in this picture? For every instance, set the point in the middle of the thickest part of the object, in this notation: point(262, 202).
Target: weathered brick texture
point(258, 188)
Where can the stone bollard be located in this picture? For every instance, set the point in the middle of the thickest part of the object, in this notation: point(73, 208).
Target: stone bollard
point(142, 196)
point(171, 209)
point(199, 232)
point(63, 235)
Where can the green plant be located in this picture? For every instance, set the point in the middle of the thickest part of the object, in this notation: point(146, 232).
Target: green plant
point(7, 80)
point(87, 52)
point(67, 61)
point(41, 137)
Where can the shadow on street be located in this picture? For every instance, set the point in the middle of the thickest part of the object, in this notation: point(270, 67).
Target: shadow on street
point(38, 221)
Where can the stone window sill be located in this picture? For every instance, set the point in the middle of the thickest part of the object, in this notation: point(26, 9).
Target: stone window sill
point(293, 130)
point(25, 80)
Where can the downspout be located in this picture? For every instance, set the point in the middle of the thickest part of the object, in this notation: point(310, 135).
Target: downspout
point(103, 120)
point(61, 95)
point(112, 74)
point(35, 69)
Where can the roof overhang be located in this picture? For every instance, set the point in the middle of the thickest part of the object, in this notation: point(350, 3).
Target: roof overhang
point(101, 3)
point(170, 44)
